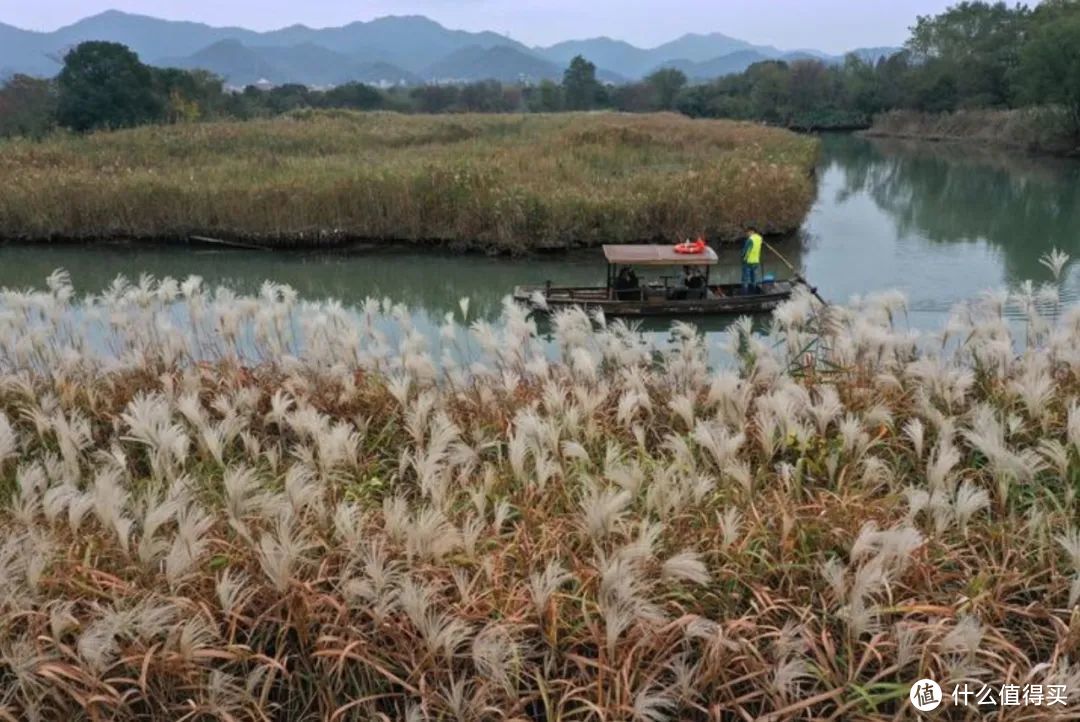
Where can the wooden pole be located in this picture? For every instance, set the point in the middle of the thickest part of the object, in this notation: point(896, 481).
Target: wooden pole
point(796, 275)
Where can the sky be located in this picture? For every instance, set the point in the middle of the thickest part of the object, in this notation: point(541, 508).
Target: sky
point(830, 25)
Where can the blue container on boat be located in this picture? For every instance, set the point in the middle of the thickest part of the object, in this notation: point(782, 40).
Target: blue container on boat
point(768, 278)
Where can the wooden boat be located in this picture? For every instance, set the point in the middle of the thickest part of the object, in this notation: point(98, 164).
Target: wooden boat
point(668, 297)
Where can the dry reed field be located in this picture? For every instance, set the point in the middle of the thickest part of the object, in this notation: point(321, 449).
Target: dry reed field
point(245, 508)
point(508, 183)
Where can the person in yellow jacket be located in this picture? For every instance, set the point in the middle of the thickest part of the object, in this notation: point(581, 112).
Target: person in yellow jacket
point(751, 259)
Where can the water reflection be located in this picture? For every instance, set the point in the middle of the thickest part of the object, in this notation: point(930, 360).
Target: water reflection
point(1007, 208)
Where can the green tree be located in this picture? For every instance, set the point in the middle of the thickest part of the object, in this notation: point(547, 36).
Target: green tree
point(893, 75)
point(189, 95)
point(290, 96)
point(769, 90)
point(863, 92)
point(435, 98)
point(667, 83)
point(1050, 68)
point(482, 96)
point(546, 98)
point(635, 98)
point(972, 46)
point(27, 107)
point(581, 88)
point(357, 96)
point(103, 85)
point(808, 86)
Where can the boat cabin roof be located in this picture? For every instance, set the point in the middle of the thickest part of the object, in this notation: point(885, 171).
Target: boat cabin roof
point(649, 255)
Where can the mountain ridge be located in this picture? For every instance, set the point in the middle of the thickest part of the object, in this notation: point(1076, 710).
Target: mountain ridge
point(391, 49)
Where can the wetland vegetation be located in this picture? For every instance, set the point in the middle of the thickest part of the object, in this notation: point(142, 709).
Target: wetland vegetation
point(501, 183)
point(251, 507)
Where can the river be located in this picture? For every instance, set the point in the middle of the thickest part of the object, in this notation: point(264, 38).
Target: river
point(939, 222)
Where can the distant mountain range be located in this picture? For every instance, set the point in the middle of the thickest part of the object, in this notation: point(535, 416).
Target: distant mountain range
point(396, 50)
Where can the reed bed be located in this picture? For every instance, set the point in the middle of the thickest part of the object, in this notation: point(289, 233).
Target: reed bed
point(228, 507)
point(1039, 130)
point(506, 183)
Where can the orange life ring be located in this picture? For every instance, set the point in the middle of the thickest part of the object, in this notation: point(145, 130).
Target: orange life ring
point(697, 246)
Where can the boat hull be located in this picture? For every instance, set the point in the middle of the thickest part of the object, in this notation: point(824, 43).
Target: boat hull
point(720, 301)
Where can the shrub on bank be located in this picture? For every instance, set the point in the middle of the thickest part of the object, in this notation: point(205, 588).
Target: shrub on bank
point(218, 506)
point(1033, 129)
point(509, 183)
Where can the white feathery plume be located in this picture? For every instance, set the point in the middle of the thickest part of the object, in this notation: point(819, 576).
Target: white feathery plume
point(965, 637)
point(917, 500)
point(543, 585)
point(788, 677)
point(281, 552)
point(158, 514)
point(110, 504)
point(827, 408)
point(653, 705)
point(1056, 261)
point(685, 566)
point(245, 497)
point(396, 517)
point(834, 573)
point(730, 525)
point(495, 653)
point(1056, 455)
point(189, 544)
point(721, 445)
point(943, 459)
point(601, 510)
point(683, 408)
point(970, 500)
point(1073, 426)
point(500, 514)
point(430, 535)
point(232, 591)
point(471, 531)
point(1069, 541)
point(9, 440)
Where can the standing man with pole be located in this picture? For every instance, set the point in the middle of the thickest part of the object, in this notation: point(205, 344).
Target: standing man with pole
point(751, 259)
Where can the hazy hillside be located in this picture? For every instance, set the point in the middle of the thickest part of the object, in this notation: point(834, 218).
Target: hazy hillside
point(152, 38)
point(396, 49)
point(701, 48)
point(499, 63)
point(308, 64)
point(633, 62)
point(233, 61)
point(411, 42)
point(614, 55)
point(735, 62)
point(23, 51)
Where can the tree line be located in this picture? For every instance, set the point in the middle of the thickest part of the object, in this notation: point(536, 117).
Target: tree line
point(973, 55)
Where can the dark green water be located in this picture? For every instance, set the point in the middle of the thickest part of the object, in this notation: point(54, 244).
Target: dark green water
point(939, 222)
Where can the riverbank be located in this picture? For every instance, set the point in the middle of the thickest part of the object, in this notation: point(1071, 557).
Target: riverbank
point(505, 183)
point(1035, 130)
point(319, 522)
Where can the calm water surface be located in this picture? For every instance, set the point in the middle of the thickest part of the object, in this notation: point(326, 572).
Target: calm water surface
point(939, 222)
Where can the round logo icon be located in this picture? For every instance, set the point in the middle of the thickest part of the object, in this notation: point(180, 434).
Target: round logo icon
point(925, 695)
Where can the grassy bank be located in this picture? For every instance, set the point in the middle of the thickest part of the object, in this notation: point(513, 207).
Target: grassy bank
point(1037, 130)
point(502, 182)
point(348, 533)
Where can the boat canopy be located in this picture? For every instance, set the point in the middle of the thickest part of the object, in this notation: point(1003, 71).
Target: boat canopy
point(647, 255)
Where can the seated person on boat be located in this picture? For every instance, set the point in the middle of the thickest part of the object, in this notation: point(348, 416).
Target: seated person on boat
point(627, 286)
